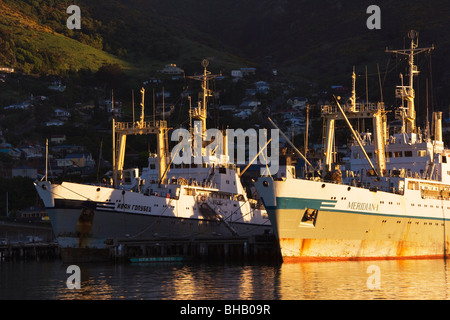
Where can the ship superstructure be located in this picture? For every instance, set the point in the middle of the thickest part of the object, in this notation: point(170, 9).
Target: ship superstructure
point(391, 200)
point(167, 200)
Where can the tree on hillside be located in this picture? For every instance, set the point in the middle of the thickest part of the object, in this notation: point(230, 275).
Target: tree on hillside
point(111, 75)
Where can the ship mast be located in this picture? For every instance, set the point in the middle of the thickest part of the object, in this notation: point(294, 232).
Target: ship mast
point(201, 111)
point(406, 92)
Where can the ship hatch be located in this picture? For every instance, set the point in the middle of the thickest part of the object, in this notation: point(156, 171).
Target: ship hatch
point(309, 217)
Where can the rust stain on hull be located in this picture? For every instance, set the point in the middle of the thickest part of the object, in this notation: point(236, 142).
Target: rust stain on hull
point(294, 250)
point(84, 227)
point(325, 259)
point(339, 235)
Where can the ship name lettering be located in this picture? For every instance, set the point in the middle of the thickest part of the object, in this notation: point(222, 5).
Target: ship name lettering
point(137, 207)
point(362, 206)
point(123, 206)
point(134, 207)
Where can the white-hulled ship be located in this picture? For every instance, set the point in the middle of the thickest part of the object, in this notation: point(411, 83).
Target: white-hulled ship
point(392, 202)
point(167, 201)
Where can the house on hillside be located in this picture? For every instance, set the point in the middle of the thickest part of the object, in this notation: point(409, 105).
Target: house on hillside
point(172, 69)
point(249, 104)
point(57, 86)
point(61, 114)
point(26, 172)
point(31, 150)
point(22, 105)
point(227, 107)
point(7, 148)
point(117, 108)
point(6, 70)
point(67, 149)
point(54, 122)
point(297, 102)
point(236, 74)
point(262, 87)
point(58, 138)
point(79, 160)
point(34, 213)
point(248, 71)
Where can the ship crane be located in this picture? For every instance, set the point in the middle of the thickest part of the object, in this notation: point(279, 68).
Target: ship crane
point(374, 111)
point(122, 129)
point(358, 139)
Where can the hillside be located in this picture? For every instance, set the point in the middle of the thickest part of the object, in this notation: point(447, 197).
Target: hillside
point(32, 47)
point(34, 38)
point(312, 45)
point(318, 41)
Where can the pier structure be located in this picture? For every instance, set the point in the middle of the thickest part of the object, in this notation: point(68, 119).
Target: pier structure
point(260, 248)
point(29, 251)
point(26, 241)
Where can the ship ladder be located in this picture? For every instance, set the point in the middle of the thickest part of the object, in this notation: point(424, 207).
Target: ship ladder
point(216, 210)
point(429, 170)
point(210, 176)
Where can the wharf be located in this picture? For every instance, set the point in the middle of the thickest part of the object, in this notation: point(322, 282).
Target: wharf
point(29, 251)
point(27, 241)
point(13, 231)
point(260, 248)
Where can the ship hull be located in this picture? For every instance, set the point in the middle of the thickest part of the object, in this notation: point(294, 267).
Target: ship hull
point(87, 235)
point(321, 221)
point(346, 236)
point(90, 221)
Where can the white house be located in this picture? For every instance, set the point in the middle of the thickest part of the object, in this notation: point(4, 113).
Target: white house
point(297, 102)
point(172, 69)
point(57, 86)
point(244, 114)
point(54, 123)
point(236, 73)
point(62, 114)
point(31, 151)
point(23, 105)
point(227, 107)
point(262, 87)
point(249, 104)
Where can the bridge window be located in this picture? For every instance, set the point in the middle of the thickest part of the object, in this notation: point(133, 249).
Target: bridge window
point(421, 153)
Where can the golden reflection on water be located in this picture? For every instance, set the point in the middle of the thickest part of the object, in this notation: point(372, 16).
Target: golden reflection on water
point(343, 280)
point(398, 279)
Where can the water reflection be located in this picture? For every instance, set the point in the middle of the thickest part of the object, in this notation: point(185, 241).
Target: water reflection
point(399, 279)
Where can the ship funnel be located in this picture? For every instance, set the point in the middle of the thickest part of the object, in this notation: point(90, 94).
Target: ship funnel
point(437, 117)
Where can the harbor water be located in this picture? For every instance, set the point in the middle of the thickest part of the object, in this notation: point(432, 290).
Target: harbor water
point(343, 280)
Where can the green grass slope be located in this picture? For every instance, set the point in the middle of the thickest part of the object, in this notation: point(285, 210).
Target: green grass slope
point(34, 48)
